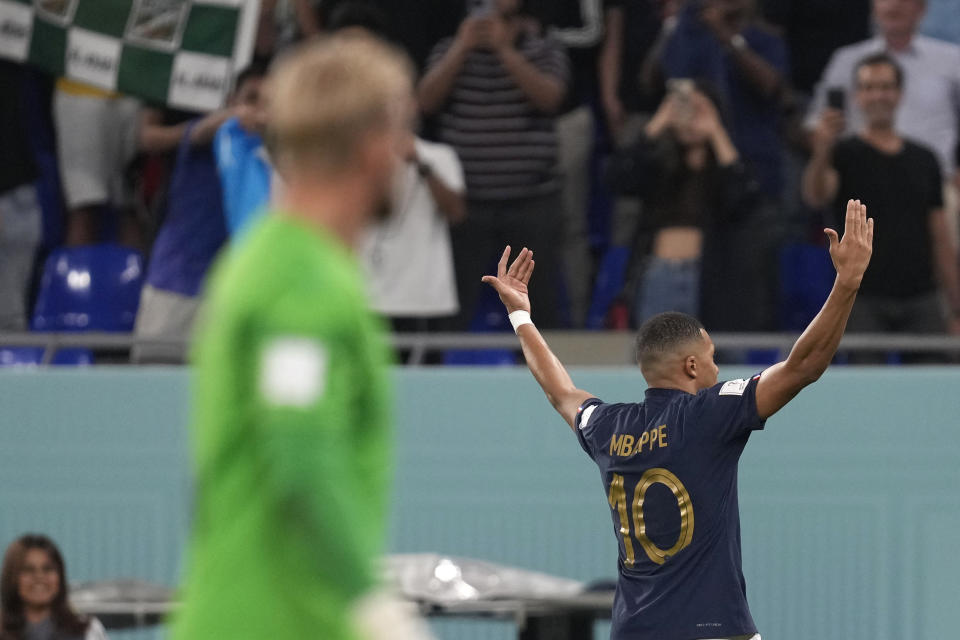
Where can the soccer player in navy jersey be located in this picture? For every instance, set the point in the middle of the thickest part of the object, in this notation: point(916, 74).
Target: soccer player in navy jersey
point(669, 463)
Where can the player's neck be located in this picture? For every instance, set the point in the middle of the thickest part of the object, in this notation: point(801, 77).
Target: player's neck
point(341, 207)
point(668, 382)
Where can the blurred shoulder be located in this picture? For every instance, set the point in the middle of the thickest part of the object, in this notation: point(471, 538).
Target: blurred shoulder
point(849, 55)
point(935, 46)
point(921, 155)
point(282, 259)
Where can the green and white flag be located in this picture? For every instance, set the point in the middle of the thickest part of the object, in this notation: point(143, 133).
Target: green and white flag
point(178, 52)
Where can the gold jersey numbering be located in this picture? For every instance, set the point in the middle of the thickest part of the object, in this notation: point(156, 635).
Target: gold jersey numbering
point(625, 445)
point(618, 502)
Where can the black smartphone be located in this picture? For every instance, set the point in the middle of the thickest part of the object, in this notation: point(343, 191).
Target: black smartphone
point(836, 98)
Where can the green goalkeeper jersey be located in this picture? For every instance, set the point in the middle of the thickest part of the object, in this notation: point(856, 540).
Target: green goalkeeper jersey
point(292, 442)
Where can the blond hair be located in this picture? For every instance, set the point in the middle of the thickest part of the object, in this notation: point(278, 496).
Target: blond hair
point(329, 94)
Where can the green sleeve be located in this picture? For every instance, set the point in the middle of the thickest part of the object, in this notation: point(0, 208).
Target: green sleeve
point(309, 397)
point(375, 439)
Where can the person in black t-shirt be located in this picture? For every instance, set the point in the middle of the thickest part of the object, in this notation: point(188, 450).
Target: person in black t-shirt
point(628, 92)
point(20, 215)
point(669, 464)
point(913, 251)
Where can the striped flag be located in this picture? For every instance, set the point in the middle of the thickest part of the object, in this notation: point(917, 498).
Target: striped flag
point(183, 53)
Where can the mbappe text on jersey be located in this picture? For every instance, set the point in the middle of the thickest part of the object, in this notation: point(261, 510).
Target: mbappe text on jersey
point(625, 444)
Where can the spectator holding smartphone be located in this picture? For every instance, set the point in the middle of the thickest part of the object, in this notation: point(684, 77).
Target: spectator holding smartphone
point(929, 108)
point(915, 253)
point(496, 87)
point(688, 174)
point(723, 42)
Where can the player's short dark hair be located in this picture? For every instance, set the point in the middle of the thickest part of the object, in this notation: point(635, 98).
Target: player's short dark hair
point(875, 59)
point(663, 333)
point(257, 69)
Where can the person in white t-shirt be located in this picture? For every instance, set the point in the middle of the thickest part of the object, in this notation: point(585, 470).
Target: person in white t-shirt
point(408, 255)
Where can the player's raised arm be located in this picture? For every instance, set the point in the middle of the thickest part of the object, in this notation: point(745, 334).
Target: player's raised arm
point(817, 345)
point(511, 285)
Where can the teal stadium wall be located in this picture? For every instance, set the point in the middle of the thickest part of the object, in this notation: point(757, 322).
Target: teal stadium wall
point(849, 498)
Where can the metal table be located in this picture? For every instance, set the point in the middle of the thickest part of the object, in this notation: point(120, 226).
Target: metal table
point(536, 619)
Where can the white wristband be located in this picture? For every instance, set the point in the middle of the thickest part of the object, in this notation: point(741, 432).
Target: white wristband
point(518, 319)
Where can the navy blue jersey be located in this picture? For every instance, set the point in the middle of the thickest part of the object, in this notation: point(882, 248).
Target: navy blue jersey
point(669, 469)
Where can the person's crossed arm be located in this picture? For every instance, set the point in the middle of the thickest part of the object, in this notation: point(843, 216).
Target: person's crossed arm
point(511, 285)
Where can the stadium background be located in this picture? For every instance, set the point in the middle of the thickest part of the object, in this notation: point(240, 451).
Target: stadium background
point(848, 499)
point(849, 508)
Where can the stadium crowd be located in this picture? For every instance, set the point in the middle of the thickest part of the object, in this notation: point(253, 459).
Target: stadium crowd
point(655, 154)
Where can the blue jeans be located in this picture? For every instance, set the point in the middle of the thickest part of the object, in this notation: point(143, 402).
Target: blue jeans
point(668, 285)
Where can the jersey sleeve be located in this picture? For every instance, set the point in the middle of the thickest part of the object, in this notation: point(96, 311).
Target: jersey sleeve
point(307, 381)
point(586, 429)
point(729, 409)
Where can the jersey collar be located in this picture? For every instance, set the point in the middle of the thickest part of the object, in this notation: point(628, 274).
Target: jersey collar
point(659, 393)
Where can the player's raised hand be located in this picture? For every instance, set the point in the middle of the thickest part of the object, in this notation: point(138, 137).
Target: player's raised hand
point(851, 255)
point(511, 284)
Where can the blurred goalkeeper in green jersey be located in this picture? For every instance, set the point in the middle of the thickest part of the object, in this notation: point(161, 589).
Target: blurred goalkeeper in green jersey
point(291, 428)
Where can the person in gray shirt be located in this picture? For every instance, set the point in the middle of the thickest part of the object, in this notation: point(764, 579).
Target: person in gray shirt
point(929, 112)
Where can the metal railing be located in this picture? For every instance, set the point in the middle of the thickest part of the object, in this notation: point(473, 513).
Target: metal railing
point(572, 347)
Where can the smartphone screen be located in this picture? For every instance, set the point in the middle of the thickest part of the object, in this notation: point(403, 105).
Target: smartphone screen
point(836, 98)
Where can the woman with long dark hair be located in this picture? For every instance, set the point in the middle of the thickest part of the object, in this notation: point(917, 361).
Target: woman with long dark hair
point(693, 187)
point(33, 595)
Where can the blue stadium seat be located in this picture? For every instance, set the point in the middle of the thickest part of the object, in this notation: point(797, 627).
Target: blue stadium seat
point(27, 356)
point(611, 277)
point(93, 288)
point(479, 358)
point(489, 317)
point(806, 276)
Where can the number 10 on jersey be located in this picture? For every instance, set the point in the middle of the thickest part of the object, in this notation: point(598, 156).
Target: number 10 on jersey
point(618, 502)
